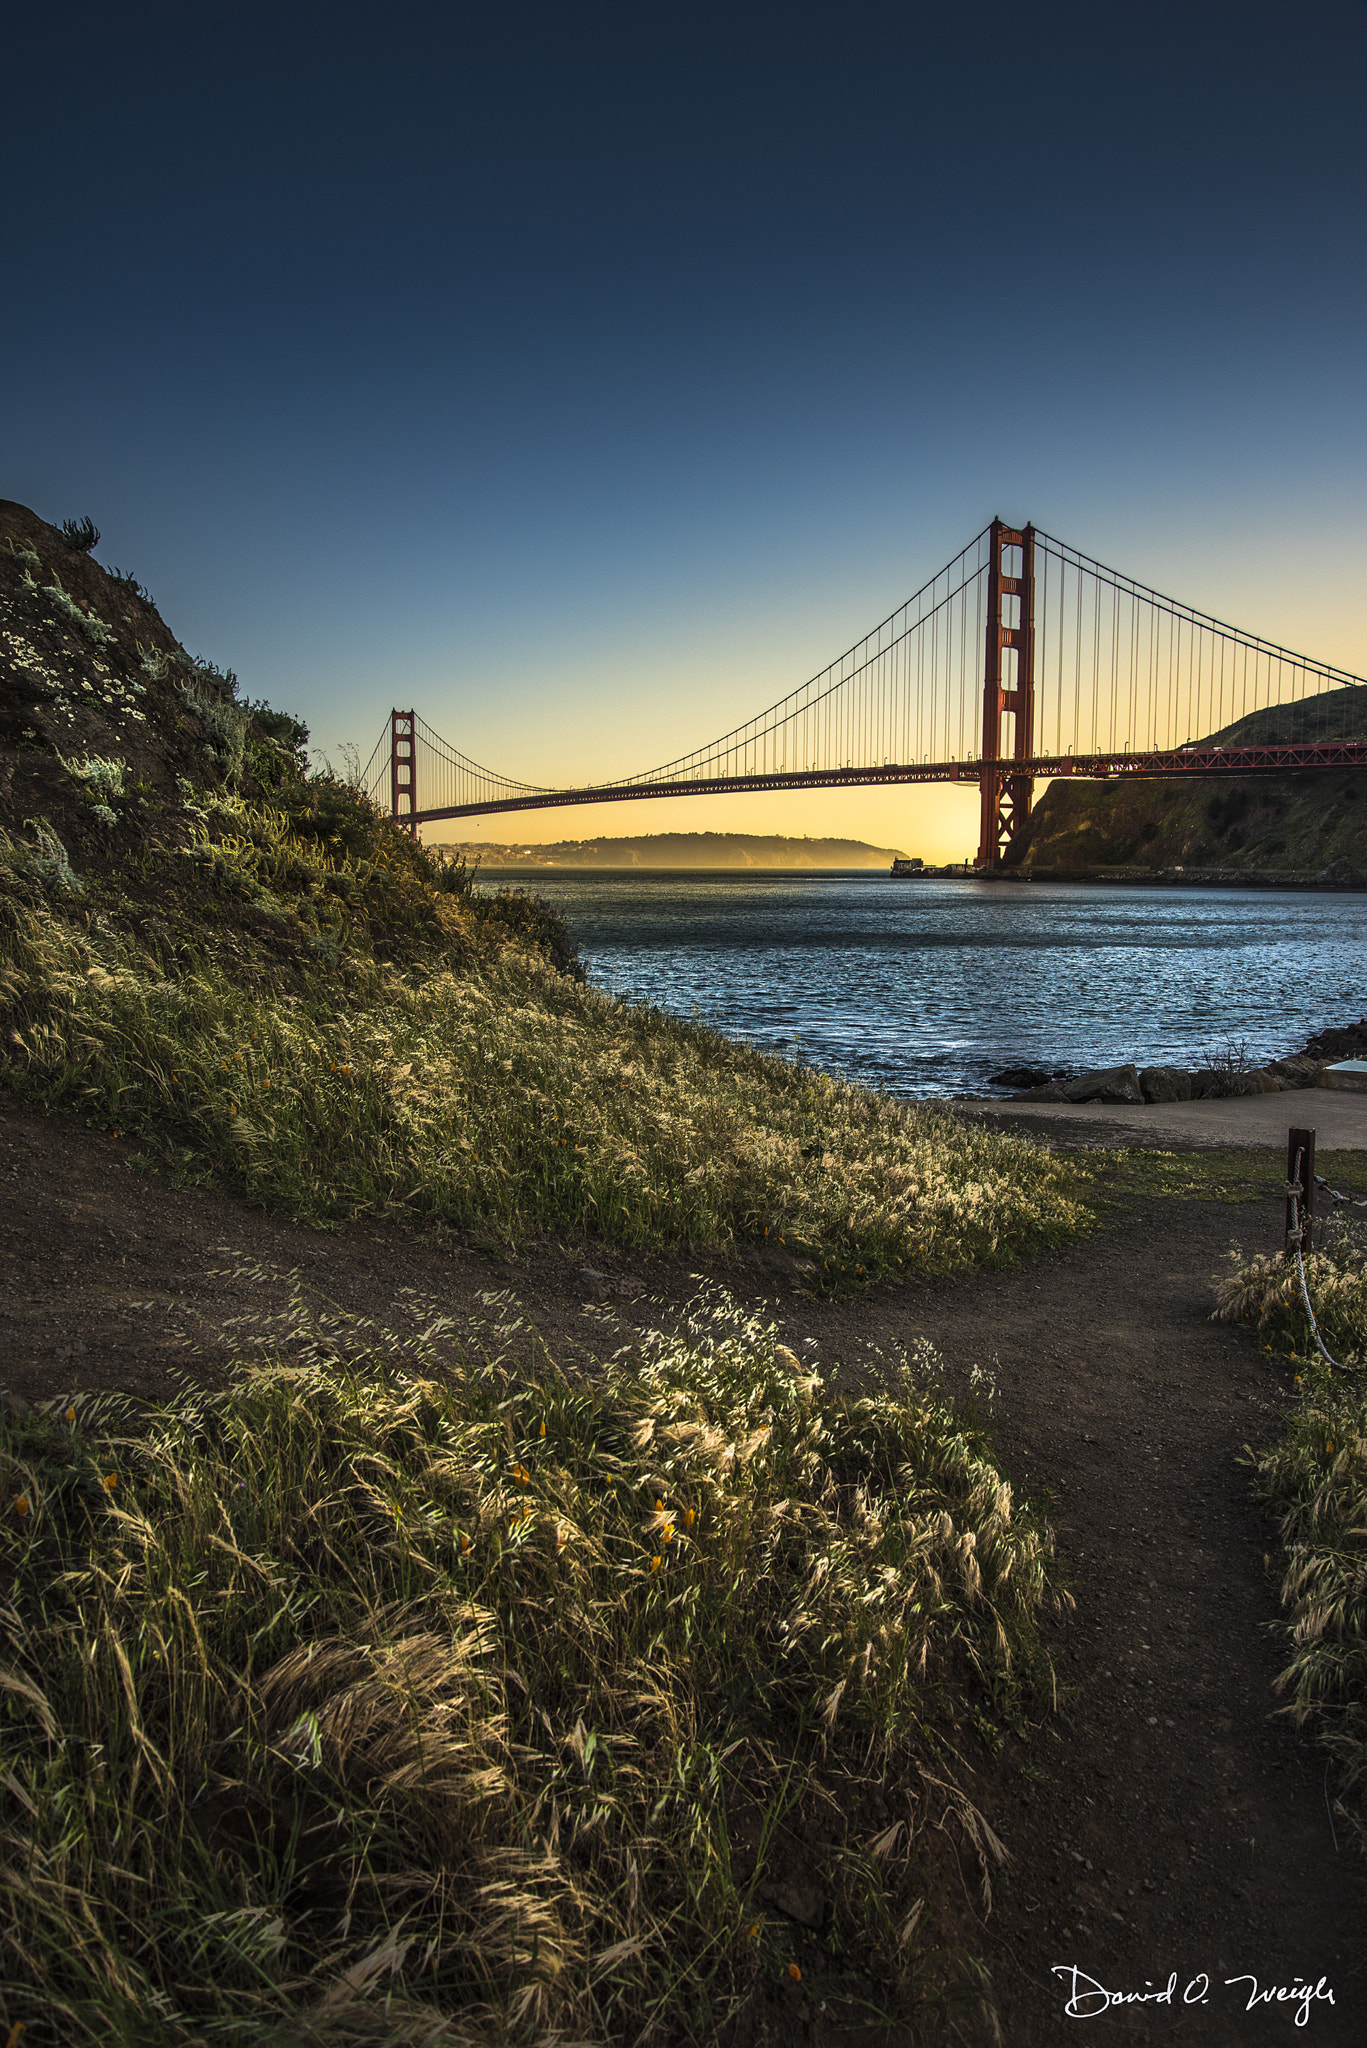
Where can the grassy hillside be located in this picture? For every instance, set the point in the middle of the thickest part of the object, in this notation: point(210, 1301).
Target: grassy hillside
point(1298, 824)
point(1332, 715)
point(1288, 823)
point(272, 983)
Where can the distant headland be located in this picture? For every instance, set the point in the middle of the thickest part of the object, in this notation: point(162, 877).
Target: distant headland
point(679, 850)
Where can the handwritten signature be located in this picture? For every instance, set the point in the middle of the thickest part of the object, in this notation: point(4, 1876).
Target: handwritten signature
point(1088, 1999)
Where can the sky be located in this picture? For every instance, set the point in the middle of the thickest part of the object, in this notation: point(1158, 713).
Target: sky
point(587, 378)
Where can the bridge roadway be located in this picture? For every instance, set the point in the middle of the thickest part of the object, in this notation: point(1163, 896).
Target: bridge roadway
point(1199, 760)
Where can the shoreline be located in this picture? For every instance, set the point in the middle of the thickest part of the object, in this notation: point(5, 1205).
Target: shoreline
point(1182, 878)
point(1273, 881)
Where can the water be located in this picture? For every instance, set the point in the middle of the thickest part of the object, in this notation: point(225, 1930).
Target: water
point(927, 988)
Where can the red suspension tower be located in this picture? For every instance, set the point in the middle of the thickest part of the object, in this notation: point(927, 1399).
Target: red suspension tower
point(1008, 689)
point(403, 764)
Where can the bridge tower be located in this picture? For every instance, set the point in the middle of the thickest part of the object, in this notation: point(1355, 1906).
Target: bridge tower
point(403, 764)
point(1008, 689)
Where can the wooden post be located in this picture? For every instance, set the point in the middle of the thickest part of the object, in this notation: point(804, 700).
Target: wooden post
point(1302, 1143)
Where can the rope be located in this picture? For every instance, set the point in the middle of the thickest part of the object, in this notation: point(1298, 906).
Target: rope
point(1353, 1201)
point(1293, 1189)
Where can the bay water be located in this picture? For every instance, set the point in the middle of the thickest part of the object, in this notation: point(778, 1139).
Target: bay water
point(929, 987)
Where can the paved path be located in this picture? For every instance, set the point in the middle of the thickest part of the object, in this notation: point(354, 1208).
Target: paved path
point(1338, 1118)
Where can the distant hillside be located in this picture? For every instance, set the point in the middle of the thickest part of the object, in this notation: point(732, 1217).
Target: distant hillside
point(1300, 823)
point(1334, 715)
point(682, 850)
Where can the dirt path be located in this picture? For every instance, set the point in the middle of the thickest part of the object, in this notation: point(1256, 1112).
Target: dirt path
point(1167, 1826)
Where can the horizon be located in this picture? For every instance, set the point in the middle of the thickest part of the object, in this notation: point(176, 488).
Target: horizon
point(587, 384)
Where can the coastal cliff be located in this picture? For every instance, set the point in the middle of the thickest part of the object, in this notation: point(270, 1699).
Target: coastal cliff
point(1299, 824)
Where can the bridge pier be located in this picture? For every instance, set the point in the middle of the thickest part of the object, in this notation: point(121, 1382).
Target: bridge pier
point(1008, 690)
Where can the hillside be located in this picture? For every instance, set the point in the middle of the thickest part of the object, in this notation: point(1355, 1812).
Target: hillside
point(1293, 824)
point(139, 793)
point(680, 850)
point(1299, 824)
point(273, 984)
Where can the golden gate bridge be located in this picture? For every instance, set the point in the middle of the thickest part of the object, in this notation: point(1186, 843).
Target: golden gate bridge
point(1021, 660)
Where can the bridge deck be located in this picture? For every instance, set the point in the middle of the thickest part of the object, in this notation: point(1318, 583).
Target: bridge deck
point(1103, 767)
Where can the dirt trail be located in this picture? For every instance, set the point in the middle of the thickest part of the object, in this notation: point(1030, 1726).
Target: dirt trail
point(1168, 1825)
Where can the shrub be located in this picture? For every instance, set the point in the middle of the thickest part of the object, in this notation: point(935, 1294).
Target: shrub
point(44, 858)
point(225, 722)
point(103, 778)
point(94, 629)
point(131, 584)
point(81, 534)
point(287, 731)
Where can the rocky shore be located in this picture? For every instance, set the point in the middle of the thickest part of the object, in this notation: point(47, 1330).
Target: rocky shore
point(1230, 1076)
point(1340, 874)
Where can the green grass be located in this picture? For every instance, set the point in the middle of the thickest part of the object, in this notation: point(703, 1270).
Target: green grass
point(1314, 1479)
point(1231, 1175)
point(396, 1693)
point(497, 1094)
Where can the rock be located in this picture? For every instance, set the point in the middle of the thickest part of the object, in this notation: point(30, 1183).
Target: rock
point(1267, 1083)
point(1340, 874)
point(1218, 1084)
point(799, 1899)
point(1049, 1091)
point(1165, 1084)
point(1300, 1071)
point(1022, 1077)
point(1105, 1084)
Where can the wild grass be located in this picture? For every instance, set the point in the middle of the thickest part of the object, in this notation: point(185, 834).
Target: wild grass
point(1314, 1479)
point(504, 1097)
point(402, 1693)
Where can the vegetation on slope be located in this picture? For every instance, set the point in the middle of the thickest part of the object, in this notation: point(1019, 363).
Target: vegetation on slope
point(1293, 824)
point(1315, 1480)
point(391, 1695)
point(1297, 824)
point(262, 977)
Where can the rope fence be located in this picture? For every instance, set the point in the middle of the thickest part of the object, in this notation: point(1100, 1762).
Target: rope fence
point(1300, 1145)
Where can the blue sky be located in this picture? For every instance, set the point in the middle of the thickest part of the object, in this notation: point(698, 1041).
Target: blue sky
point(589, 377)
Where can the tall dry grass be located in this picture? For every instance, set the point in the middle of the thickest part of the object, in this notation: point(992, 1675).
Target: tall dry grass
point(505, 1098)
point(398, 1694)
point(1314, 1479)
